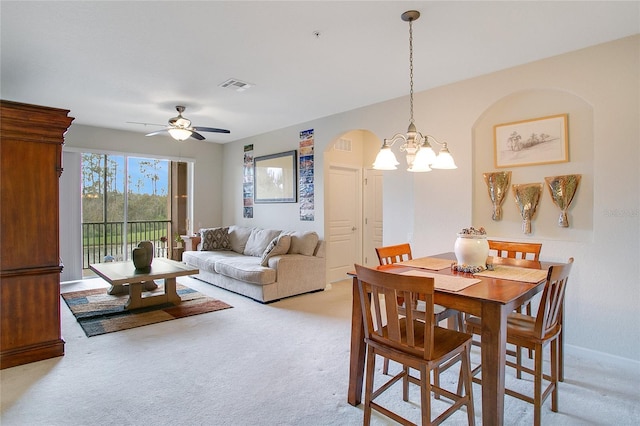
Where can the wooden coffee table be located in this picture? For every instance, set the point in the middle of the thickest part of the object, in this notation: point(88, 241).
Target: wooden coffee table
point(124, 278)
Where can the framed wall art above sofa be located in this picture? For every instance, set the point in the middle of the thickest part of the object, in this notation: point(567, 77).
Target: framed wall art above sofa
point(276, 178)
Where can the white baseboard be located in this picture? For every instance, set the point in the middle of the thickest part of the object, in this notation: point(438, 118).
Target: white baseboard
point(628, 364)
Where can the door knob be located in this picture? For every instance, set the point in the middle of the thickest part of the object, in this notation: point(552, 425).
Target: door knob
point(353, 228)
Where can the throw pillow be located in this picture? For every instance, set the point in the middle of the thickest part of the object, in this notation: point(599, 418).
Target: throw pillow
point(277, 246)
point(303, 243)
point(239, 235)
point(259, 240)
point(215, 239)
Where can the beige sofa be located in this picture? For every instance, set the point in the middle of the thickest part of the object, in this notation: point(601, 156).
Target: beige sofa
point(263, 264)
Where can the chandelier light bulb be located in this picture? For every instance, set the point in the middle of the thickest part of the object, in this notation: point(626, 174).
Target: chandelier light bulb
point(386, 160)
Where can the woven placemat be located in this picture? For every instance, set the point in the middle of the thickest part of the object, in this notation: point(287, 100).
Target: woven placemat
point(444, 282)
point(432, 263)
point(514, 273)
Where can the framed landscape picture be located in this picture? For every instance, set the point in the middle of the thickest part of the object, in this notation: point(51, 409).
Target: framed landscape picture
point(531, 142)
point(275, 178)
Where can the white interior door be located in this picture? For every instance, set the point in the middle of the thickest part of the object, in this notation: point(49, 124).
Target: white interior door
point(372, 234)
point(344, 220)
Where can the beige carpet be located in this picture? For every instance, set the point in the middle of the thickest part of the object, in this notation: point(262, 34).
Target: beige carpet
point(284, 363)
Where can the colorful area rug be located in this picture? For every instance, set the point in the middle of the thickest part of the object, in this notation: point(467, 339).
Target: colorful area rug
point(98, 312)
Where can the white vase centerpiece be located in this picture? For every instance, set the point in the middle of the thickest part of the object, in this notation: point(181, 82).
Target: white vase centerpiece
point(472, 248)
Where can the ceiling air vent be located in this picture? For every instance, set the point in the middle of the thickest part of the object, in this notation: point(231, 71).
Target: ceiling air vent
point(342, 144)
point(235, 84)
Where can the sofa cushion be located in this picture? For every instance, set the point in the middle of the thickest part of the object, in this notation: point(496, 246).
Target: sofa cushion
point(279, 245)
point(245, 268)
point(206, 260)
point(259, 240)
point(215, 239)
point(239, 236)
point(303, 242)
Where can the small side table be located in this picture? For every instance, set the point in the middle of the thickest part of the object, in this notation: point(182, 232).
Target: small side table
point(176, 253)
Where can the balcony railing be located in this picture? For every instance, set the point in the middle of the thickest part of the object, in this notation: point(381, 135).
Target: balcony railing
point(105, 240)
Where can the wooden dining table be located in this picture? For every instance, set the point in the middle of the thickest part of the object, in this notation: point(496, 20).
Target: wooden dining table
point(491, 299)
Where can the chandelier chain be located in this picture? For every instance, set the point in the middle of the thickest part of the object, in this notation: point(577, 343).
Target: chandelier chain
point(411, 69)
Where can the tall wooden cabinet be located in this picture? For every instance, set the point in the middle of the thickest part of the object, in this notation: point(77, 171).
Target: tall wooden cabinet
point(31, 139)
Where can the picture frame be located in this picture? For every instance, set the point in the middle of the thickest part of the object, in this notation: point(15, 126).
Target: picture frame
point(275, 178)
point(536, 141)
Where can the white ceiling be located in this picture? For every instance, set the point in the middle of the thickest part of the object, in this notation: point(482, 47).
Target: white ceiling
point(114, 62)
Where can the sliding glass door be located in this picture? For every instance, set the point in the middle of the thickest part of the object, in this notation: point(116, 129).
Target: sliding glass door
point(125, 200)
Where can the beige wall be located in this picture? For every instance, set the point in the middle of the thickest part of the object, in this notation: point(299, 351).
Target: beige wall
point(599, 87)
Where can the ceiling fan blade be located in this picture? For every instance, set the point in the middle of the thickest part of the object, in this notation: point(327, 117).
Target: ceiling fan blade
point(157, 132)
point(197, 135)
point(145, 124)
point(210, 129)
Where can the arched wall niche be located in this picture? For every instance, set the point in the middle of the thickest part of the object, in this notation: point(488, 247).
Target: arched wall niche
point(524, 105)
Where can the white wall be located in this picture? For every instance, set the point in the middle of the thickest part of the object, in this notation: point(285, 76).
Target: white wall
point(603, 299)
point(283, 216)
point(71, 217)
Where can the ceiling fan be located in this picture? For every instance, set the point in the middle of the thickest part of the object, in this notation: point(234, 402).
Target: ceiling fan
point(180, 128)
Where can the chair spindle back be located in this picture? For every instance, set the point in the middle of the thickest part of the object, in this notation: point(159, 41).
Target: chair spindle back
point(515, 250)
point(552, 300)
point(394, 254)
point(394, 326)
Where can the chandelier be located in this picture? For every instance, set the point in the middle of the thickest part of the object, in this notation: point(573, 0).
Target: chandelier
point(420, 155)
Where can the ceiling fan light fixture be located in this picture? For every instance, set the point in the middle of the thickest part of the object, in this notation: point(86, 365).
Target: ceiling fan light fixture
point(180, 128)
point(180, 134)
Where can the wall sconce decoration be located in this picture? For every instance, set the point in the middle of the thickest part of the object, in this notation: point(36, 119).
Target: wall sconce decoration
point(497, 186)
point(562, 189)
point(527, 197)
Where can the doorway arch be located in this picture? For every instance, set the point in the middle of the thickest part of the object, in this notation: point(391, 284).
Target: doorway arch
point(353, 196)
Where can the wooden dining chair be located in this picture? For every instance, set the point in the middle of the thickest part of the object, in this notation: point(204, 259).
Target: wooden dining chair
point(388, 255)
point(515, 250)
point(394, 254)
point(521, 263)
point(535, 333)
point(524, 255)
point(416, 343)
